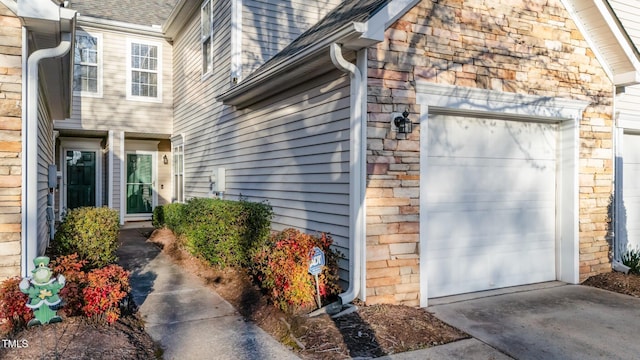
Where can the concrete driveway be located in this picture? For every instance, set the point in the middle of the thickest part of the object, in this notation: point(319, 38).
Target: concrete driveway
point(557, 322)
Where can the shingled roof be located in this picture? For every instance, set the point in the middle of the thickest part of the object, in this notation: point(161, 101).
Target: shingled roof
point(140, 12)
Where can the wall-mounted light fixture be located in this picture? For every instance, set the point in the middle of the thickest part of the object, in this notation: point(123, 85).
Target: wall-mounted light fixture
point(403, 123)
point(165, 159)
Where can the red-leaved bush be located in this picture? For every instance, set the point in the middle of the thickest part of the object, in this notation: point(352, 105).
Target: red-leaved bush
point(14, 314)
point(103, 292)
point(95, 294)
point(280, 266)
point(71, 267)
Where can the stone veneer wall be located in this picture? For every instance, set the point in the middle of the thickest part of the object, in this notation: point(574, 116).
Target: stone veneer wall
point(520, 46)
point(10, 142)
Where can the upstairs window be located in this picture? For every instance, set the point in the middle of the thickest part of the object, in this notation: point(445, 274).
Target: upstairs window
point(206, 37)
point(87, 77)
point(144, 75)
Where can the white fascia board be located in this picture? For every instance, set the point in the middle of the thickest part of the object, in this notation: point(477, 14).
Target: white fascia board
point(179, 16)
point(39, 9)
point(379, 22)
point(153, 30)
point(627, 79)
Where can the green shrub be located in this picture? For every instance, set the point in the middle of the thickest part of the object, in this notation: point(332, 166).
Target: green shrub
point(280, 266)
point(631, 258)
point(173, 217)
point(92, 233)
point(222, 231)
point(158, 217)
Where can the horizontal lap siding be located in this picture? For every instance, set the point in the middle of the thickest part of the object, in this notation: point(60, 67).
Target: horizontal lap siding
point(45, 157)
point(269, 26)
point(627, 105)
point(196, 112)
point(113, 111)
point(291, 150)
point(629, 14)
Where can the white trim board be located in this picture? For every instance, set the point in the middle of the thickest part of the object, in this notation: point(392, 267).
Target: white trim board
point(452, 100)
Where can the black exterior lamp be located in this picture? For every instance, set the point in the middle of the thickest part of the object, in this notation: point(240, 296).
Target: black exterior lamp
point(403, 123)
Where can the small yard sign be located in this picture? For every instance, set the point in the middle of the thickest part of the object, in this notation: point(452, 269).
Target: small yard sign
point(315, 268)
point(317, 261)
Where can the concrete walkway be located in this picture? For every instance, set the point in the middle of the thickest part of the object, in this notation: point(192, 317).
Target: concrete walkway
point(189, 320)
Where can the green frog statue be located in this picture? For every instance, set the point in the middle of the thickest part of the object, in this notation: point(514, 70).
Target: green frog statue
point(43, 292)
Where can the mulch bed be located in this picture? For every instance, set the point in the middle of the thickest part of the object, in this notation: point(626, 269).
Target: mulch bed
point(616, 282)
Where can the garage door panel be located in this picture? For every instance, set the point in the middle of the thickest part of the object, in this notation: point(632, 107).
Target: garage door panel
point(491, 176)
point(486, 223)
point(483, 271)
point(469, 246)
point(458, 137)
point(490, 204)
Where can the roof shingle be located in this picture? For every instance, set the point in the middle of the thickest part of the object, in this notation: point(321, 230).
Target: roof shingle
point(140, 12)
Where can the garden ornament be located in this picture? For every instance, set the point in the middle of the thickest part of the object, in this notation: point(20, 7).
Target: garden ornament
point(43, 292)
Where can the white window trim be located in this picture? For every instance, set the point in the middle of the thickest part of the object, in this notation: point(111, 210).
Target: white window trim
point(97, 94)
point(177, 141)
point(206, 74)
point(236, 41)
point(131, 97)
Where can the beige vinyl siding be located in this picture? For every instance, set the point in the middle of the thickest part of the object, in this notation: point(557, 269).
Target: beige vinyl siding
point(269, 26)
point(113, 111)
point(46, 152)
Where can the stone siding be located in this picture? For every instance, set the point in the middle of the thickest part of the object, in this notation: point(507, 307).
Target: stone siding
point(528, 47)
point(10, 142)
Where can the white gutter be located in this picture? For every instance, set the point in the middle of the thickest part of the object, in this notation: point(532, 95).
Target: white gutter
point(357, 230)
point(30, 151)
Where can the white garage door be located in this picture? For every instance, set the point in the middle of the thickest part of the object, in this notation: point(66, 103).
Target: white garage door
point(631, 190)
point(491, 204)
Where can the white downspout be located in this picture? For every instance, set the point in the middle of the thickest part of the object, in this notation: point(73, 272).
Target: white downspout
point(30, 152)
point(357, 231)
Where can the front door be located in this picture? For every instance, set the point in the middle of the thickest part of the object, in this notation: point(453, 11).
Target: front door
point(139, 183)
point(81, 178)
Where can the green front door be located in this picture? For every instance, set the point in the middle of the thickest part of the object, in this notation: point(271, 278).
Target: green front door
point(139, 183)
point(81, 178)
